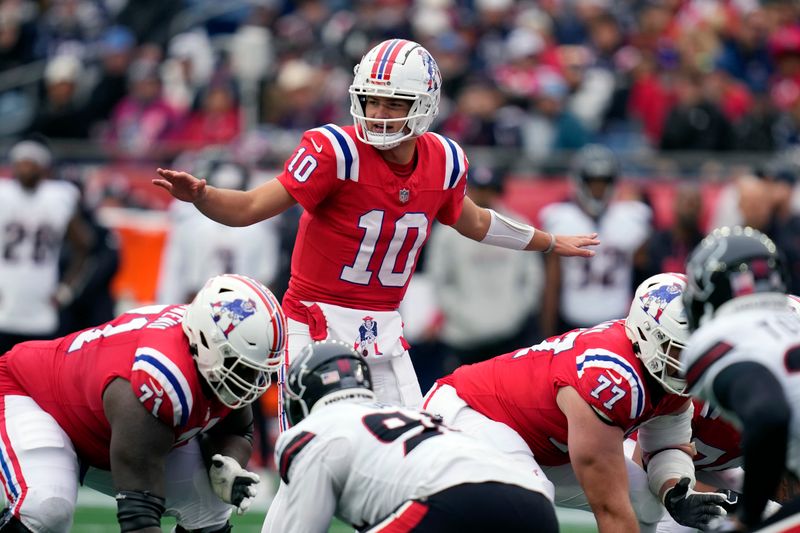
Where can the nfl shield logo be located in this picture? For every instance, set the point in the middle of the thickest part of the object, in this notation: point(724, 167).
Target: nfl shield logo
point(404, 195)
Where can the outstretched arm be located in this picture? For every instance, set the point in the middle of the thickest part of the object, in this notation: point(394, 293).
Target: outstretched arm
point(227, 206)
point(596, 454)
point(485, 225)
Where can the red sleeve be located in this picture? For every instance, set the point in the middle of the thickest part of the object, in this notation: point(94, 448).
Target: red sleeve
point(609, 393)
point(310, 173)
point(454, 202)
point(165, 386)
point(151, 394)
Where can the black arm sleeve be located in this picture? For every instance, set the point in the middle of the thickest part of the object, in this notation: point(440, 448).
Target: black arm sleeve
point(752, 392)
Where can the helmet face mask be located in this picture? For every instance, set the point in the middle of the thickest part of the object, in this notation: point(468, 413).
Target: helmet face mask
point(595, 173)
point(738, 263)
point(396, 69)
point(237, 331)
point(656, 324)
point(323, 373)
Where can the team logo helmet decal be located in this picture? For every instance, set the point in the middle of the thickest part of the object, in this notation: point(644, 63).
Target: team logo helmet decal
point(655, 301)
point(229, 314)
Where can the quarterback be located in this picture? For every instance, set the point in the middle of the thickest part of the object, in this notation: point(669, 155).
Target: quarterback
point(152, 407)
point(370, 193)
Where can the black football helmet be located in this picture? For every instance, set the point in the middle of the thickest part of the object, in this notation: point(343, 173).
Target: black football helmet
point(330, 370)
point(729, 263)
point(595, 163)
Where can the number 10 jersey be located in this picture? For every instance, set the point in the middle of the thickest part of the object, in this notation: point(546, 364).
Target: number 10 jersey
point(363, 225)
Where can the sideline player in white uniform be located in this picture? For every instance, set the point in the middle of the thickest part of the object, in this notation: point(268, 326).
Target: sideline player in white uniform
point(198, 248)
point(37, 215)
point(585, 293)
point(744, 358)
point(385, 468)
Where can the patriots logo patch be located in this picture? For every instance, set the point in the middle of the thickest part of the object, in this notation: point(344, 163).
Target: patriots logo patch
point(367, 336)
point(229, 314)
point(655, 301)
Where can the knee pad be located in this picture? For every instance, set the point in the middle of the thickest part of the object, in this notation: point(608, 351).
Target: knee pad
point(10, 524)
point(224, 528)
point(53, 514)
point(646, 505)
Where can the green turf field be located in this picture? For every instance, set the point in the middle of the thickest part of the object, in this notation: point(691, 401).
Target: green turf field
point(103, 520)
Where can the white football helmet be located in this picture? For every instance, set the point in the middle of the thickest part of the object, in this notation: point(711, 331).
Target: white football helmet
point(595, 162)
point(657, 326)
point(237, 331)
point(794, 303)
point(396, 68)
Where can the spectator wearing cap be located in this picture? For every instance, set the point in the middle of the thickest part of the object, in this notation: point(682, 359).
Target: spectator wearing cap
point(61, 116)
point(489, 299)
point(297, 99)
point(39, 216)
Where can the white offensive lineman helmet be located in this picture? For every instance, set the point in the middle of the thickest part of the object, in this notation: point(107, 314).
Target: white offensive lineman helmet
point(657, 326)
point(237, 332)
point(794, 303)
point(402, 69)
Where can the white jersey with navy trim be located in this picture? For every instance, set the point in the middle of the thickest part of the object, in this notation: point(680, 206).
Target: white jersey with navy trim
point(360, 462)
point(767, 337)
point(32, 229)
point(199, 248)
point(601, 289)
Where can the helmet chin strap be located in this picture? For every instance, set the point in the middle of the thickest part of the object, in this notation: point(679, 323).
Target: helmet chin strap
point(385, 141)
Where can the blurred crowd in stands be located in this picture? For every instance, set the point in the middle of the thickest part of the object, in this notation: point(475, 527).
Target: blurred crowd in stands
point(149, 78)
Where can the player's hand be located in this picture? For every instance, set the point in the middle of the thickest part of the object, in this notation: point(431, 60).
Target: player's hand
point(232, 483)
point(698, 509)
point(575, 245)
point(181, 185)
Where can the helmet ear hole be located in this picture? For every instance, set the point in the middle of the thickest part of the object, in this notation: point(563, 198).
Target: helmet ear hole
point(203, 340)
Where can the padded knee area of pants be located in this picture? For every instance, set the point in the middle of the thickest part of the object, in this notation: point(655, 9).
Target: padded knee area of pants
point(51, 514)
point(646, 506)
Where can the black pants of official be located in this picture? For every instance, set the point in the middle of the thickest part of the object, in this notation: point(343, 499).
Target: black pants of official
point(486, 508)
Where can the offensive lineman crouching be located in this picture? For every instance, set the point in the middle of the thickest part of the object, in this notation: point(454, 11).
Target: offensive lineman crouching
point(117, 408)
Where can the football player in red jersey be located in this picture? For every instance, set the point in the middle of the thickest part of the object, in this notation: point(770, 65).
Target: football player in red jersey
point(370, 193)
point(118, 407)
point(565, 406)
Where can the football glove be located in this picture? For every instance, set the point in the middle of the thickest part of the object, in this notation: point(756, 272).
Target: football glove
point(697, 509)
point(232, 483)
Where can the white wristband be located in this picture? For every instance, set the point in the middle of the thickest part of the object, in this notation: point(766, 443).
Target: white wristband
point(507, 233)
point(552, 244)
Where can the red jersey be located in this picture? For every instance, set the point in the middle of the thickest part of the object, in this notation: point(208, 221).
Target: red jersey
point(363, 225)
point(717, 442)
point(519, 388)
point(147, 347)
